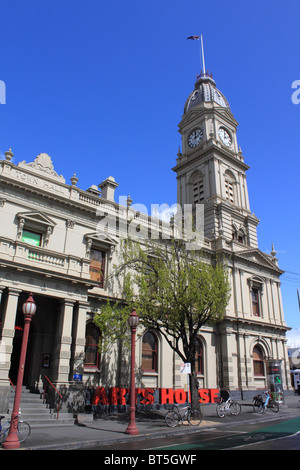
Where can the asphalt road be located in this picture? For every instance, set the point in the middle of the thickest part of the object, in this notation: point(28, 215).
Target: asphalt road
point(279, 434)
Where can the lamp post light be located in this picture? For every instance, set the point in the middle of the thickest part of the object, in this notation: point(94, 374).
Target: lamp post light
point(133, 322)
point(12, 440)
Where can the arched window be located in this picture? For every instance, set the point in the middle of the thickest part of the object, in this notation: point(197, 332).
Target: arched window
point(238, 235)
point(241, 238)
point(149, 352)
point(92, 337)
point(258, 361)
point(199, 357)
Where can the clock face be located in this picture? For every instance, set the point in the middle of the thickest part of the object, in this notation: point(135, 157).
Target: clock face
point(225, 137)
point(195, 137)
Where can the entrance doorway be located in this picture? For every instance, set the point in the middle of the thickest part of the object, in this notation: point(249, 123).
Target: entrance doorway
point(41, 341)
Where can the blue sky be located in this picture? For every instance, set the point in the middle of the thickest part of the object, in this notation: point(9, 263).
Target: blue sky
point(100, 86)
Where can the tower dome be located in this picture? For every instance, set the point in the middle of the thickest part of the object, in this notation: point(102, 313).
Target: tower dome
point(205, 91)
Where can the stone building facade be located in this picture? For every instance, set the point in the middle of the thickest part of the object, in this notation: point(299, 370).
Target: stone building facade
point(60, 242)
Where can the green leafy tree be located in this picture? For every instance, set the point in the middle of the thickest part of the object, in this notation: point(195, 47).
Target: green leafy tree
point(174, 292)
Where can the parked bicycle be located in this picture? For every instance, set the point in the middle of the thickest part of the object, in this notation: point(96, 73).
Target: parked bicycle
point(181, 414)
point(24, 429)
point(260, 403)
point(227, 404)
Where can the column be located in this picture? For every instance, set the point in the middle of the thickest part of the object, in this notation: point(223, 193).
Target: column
point(8, 332)
point(79, 327)
point(64, 339)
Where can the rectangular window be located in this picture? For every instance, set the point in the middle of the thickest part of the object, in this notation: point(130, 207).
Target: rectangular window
point(91, 355)
point(258, 368)
point(255, 302)
point(97, 266)
point(92, 337)
point(149, 352)
point(32, 238)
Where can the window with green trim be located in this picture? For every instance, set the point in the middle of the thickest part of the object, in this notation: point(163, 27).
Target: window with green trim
point(33, 238)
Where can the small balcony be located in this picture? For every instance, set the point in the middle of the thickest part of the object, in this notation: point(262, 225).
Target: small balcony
point(22, 253)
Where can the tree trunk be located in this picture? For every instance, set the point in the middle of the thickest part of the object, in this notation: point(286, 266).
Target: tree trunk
point(194, 391)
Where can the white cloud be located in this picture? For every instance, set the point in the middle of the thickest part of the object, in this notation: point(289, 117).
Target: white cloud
point(293, 337)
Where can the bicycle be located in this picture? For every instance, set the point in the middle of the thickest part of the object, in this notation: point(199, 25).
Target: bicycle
point(229, 405)
point(24, 430)
point(260, 404)
point(174, 417)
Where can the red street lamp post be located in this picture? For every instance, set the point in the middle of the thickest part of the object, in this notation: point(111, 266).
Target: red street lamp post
point(133, 322)
point(12, 441)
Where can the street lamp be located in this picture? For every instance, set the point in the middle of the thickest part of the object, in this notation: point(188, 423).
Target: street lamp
point(12, 440)
point(133, 322)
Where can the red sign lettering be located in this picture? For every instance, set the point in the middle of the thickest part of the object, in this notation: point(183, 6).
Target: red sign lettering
point(117, 396)
point(120, 396)
point(100, 397)
point(147, 394)
point(204, 395)
point(166, 396)
point(180, 396)
point(213, 392)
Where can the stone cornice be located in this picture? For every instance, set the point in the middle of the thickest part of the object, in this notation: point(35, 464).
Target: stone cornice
point(248, 321)
point(211, 151)
point(54, 190)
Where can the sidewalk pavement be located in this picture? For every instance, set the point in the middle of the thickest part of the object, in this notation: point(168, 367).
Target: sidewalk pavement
point(110, 429)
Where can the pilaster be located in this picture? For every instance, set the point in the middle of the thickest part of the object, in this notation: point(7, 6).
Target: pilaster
point(78, 346)
point(63, 345)
point(8, 332)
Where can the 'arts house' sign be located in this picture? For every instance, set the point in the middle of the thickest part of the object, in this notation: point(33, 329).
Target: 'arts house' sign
point(118, 396)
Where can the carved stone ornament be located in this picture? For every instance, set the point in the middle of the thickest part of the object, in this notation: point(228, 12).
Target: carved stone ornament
point(42, 162)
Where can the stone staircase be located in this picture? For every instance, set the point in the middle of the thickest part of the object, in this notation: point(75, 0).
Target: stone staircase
point(36, 412)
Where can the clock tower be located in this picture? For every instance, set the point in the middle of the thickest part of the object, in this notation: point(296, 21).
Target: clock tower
point(211, 168)
point(211, 172)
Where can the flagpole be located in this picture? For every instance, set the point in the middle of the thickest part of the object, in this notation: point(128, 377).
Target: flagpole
point(203, 62)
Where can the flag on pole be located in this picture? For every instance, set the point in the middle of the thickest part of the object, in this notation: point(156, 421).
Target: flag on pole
point(194, 38)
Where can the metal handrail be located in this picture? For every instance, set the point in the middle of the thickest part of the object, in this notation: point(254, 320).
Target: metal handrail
point(12, 384)
point(60, 396)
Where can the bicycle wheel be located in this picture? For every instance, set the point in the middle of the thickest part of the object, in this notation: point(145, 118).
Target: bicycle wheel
point(4, 432)
point(220, 410)
point(172, 419)
point(258, 406)
point(273, 406)
point(24, 430)
point(194, 417)
point(235, 408)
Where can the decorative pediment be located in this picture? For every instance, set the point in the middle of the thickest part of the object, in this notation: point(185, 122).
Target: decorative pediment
point(258, 257)
point(36, 218)
point(36, 221)
point(100, 237)
point(191, 116)
point(224, 112)
point(99, 240)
